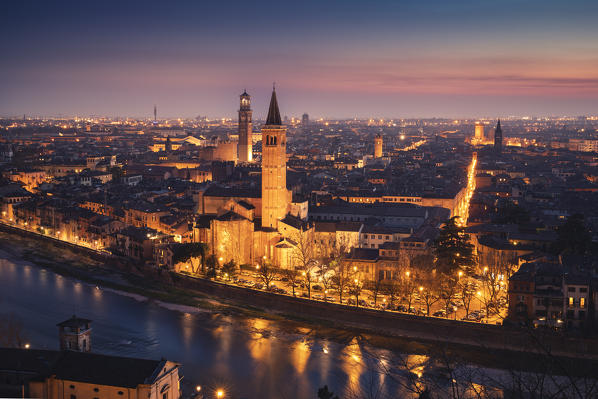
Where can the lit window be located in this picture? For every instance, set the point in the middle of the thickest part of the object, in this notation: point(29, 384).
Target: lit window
point(582, 302)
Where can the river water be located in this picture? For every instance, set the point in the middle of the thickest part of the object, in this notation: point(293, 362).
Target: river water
point(247, 357)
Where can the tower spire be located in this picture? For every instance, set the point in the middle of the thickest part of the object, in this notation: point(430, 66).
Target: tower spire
point(273, 112)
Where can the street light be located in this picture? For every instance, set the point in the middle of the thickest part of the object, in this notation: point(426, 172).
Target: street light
point(407, 273)
point(220, 393)
point(198, 388)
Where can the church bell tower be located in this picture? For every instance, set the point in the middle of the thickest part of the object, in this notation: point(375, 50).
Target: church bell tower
point(245, 149)
point(274, 167)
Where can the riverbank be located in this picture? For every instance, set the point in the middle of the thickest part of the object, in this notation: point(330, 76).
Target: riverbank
point(123, 277)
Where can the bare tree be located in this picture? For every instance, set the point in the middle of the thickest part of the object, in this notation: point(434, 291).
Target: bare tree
point(326, 277)
point(375, 288)
point(391, 288)
point(428, 295)
point(448, 292)
point(341, 279)
point(304, 256)
point(11, 331)
point(467, 291)
point(292, 275)
point(266, 273)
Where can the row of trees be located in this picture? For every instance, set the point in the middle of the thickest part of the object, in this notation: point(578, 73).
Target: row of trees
point(427, 280)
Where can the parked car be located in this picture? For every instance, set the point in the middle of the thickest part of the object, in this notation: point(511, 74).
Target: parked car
point(402, 308)
point(316, 287)
point(351, 301)
point(439, 313)
point(473, 316)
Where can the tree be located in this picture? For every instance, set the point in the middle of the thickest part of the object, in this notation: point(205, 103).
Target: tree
point(212, 265)
point(429, 296)
point(190, 252)
point(341, 279)
point(573, 237)
point(453, 250)
point(375, 288)
point(355, 288)
point(293, 276)
point(325, 276)
point(117, 173)
point(510, 213)
point(448, 292)
point(11, 331)
point(467, 291)
point(229, 269)
point(408, 289)
point(303, 256)
point(266, 273)
point(391, 288)
point(324, 393)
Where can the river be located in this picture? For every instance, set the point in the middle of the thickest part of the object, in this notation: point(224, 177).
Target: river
point(247, 357)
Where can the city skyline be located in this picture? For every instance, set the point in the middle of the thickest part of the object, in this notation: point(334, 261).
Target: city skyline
point(337, 60)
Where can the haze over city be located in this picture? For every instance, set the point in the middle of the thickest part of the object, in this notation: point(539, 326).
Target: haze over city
point(331, 199)
point(334, 59)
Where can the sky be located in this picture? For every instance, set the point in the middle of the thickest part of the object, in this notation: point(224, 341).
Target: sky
point(329, 58)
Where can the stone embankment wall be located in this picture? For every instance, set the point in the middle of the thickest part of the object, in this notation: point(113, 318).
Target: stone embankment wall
point(398, 324)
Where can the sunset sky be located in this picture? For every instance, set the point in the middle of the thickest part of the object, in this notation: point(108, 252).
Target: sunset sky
point(329, 58)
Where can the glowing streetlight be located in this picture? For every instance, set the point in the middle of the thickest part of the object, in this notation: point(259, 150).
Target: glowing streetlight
point(27, 346)
point(421, 289)
point(407, 273)
point(220, 393)
point(198, 388)
point(257, 267)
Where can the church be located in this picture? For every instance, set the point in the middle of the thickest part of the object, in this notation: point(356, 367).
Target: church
point(249, 226)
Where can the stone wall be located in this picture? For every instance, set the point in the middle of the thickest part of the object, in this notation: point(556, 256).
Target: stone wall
point(399, 324)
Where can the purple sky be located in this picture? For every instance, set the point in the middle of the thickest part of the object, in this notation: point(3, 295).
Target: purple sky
point(339, 58)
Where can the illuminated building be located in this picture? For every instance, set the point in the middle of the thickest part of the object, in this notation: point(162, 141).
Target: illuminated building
point(274, 167)
point(479, 132)
point(245, 132)
point(378, 146)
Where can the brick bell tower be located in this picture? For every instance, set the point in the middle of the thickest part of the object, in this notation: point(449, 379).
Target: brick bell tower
point(274, 167)
point(245, 149)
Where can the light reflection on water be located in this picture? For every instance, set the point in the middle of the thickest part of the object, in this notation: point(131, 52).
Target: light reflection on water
point(250, 357)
